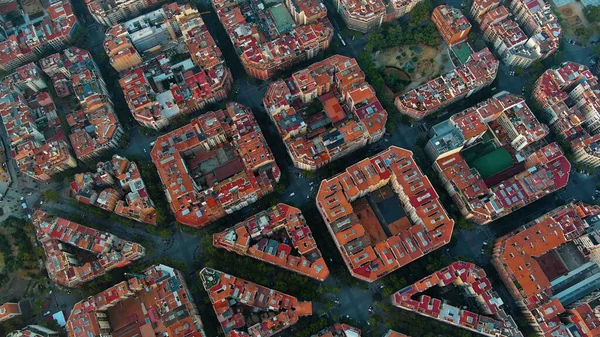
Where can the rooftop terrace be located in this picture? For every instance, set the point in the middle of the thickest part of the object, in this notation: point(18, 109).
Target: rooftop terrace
point(352, 204)
point(246, 309)
point(541, 291)
point(76, 254)
point(279, 236)
point(217, 164)
point(349, 114)
point(155, 302)
point(493, 321)
point(262, 49)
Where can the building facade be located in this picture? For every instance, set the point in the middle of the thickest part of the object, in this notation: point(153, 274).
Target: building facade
point(568, 95)
point(215, 165)
point(451, 23)
point(52, 28)
point(478, 72)
point(349, 204)
point(170, 65)
point(264, 52)
point(325, 112)
point(543, 285)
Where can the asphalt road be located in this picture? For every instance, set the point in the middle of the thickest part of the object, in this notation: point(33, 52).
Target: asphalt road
point(354, 301)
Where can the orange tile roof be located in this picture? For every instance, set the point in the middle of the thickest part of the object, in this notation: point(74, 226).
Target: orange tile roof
point(156, 301)
point(473, 279)
point(134, 202)
point(479, 71)
point(392, 333)
point(69, 270)
point(340, 330)
point(151, 105)
point(256, 237)
point(577, 83)
point(226, 187)
point(515, 127)
point(516, 257)
point(9, 310)
point(352, 117)
point(226, 290)
point(431, 227)
point(262, 57)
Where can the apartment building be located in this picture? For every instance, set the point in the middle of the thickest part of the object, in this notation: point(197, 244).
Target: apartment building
point(155, 302)
point(304, 12)
point(95, 128)
point(36, 138)
point(478, 72)
point(522, 32)
point(480, 7)
point(511, 183)
point(325, 112)
point(9, 310)
point(451, 23)
point(474, 284)
point(216, 165)
point(505, 116)
point(269, 40)
point(169, 63)
point(233, 311)
point(568, 94)
point(117, 187)
point(551, 289)
point(583, 316)
point(109, 12)
point(383, 213)
point(63, 264)
point(52, 28)
point(365, 16)
point(279, 236)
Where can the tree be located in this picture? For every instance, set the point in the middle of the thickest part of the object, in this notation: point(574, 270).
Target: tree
point(420, 13)
point(51, 195)
point(314, 107)
point(583, 33)
point(592, 13)
point(464, 224)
